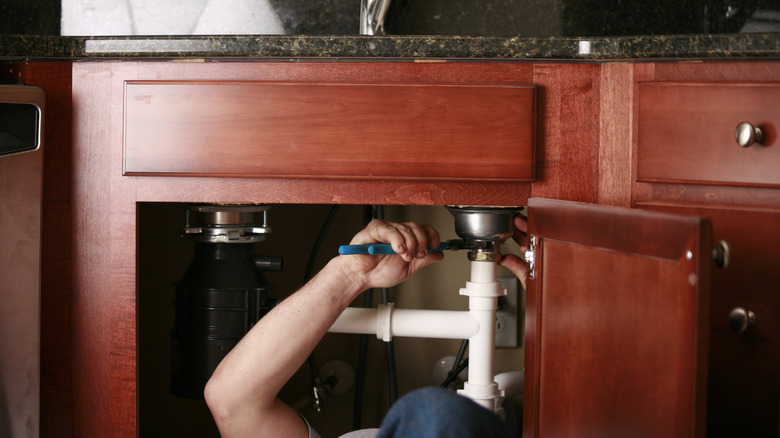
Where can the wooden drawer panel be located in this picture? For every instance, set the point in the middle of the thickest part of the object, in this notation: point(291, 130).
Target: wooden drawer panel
point(331, 130)
point(686, 133)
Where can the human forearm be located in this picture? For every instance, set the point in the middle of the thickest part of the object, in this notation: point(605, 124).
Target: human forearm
point(242, 391)
point(250, 377)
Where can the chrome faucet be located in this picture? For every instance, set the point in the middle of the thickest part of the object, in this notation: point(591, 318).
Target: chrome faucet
point(372, 16)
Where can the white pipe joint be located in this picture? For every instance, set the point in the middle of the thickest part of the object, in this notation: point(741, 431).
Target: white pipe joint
point(488, 396)
point(384, 322)
point(484, 281)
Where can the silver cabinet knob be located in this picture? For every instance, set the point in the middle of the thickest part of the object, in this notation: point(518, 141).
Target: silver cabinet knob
point(741, 319)
point(721, 254)
point(747, 134)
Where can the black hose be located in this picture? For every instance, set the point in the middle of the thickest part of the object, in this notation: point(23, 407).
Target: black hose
point(455, 373)
point(392, 378)
point(461, 352)
point(307, 274)
point(360, 374)
point(357, 410)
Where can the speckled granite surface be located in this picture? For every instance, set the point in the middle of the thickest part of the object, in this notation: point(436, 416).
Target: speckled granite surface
point(765, 45)
point(465, 29)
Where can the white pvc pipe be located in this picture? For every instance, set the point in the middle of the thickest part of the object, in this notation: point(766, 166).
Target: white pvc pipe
point(483, 291)
point(442, 324)
point(483, 272)
point(478, 325)
point(355, 320)
point(511, 382)
point(482, 344)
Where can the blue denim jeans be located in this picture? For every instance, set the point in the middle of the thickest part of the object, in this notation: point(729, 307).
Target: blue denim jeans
point(438, 412)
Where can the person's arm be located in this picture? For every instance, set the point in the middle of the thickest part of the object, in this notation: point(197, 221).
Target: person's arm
point(512, 262)
point(241, 393)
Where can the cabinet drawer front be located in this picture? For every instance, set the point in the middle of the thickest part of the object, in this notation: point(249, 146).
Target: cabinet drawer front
point(338, 130)
point(686, 133)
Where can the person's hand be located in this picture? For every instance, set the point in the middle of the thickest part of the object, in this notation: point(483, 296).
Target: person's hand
point(512, 262)
point(409, 240)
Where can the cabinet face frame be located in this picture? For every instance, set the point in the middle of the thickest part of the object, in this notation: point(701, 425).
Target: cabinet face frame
point(103, 325)
point(614, 386)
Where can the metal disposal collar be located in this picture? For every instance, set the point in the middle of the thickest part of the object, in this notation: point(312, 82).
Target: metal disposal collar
point(226, 223)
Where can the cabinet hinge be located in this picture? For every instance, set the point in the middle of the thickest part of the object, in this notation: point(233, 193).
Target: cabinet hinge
point(530, 256)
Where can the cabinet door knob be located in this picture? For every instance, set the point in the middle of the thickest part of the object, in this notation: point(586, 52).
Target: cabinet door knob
point(741, 319)
point(721, 254)
point(747, 134)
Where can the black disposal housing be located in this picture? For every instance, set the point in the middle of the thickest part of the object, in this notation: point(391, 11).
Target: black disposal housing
point(222, 294)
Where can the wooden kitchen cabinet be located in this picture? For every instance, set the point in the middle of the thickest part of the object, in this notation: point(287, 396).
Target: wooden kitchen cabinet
point(707, 173)
point(584, 148)
point(582, 376)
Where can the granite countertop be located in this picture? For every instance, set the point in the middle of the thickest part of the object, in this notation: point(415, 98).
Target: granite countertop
point(694, 46)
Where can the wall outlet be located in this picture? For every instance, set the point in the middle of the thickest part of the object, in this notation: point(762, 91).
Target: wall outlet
point(507, 314)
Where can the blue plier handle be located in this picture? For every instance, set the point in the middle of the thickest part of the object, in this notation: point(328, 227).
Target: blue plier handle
point(380, 249)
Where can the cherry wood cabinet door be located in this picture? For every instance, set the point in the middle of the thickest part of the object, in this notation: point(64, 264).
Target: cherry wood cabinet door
point(616, 322)
point(744, 361)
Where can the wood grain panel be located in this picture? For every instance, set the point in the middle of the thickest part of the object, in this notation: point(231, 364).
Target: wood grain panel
point(103, 303)
point(686, 133)
point(392, 71)
point(615, 121)
point(619, 347)
point(330, 191)
point(709, 71)
point(752, 197)
point(337, 130)
point(568, 134)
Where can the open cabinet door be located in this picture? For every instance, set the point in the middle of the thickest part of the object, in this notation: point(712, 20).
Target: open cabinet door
point(616, 322)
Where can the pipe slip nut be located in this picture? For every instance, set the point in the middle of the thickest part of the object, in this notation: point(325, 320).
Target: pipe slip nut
point(384, 316)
